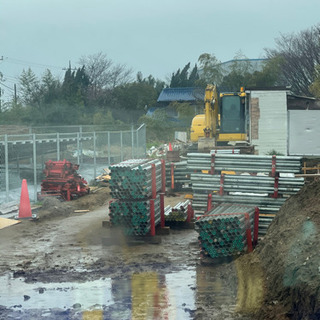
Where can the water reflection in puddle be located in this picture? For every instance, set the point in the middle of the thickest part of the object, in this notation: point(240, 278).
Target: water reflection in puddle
point(143, 296)
point(147, 295)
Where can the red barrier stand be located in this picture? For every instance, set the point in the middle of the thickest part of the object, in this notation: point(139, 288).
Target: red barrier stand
point(152, 219)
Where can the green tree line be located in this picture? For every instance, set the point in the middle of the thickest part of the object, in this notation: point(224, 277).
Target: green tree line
point(103, 92)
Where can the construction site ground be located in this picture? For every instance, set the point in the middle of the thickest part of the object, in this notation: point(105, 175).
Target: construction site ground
point(66, 265)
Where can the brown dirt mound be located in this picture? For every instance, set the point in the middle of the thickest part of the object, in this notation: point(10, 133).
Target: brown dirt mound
point(290, 256)
point(53, 207)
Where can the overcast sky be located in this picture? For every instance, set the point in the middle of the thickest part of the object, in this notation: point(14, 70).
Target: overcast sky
point(154, 37)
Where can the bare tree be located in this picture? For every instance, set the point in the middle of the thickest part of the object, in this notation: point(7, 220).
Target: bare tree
point(299, 54)
point(120, 75)
point(103, 73)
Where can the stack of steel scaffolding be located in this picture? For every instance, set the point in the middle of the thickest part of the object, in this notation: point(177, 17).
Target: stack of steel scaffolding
point(178, 176)
point(134, 216)
point(245, 184)
point(177, 213)
point(227, 230)
point(138, 205)
point(216, 162)
point(132, 179)
point(255, 180)
point(62, 180)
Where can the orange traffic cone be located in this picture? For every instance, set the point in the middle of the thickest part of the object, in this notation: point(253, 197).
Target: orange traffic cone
point(170, 146)
point(25, 207)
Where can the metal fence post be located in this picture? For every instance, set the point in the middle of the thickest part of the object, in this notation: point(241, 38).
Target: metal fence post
point(78, 148)
point(121, 146)
point(81, 157)
point(6, 161)
point(109, 149)
point(94, 156)
point(34, 167)
point(137, 135)
point(132, 143)
point(58, 146)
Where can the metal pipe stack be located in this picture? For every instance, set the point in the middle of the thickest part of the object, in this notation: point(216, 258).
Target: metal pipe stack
point(133, 186)
point(134, 216)
point(258, 180)
point(177, 213)
point(243, 163)
point(177, 175)
point(132, 179)
point(223, 231)
point(245, 184)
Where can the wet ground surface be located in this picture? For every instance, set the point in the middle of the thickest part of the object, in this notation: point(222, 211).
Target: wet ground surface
point(63, 268)
point(193, 293)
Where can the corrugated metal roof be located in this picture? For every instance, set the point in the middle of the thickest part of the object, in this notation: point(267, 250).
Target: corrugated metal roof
point(181, 94)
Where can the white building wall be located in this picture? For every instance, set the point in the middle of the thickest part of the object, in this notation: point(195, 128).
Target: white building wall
point(304, 132)
point(271, 125)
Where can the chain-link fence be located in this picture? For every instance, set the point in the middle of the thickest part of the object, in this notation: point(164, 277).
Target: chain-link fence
point(24, 156)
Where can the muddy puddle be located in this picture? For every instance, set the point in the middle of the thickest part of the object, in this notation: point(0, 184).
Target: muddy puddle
point(193, 293)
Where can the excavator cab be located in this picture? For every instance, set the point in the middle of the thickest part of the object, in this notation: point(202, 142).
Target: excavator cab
point(232, 117)
point(223, 120)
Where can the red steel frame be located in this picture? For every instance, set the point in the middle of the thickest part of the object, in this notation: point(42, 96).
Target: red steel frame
point(172, 176)
point(274, 166)
point(63, 180)
point(190, 212)
point(221, 190)
point(154, 195)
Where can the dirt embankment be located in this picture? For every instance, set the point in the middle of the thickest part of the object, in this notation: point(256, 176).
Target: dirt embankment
point(53, 208)
point(290, 257)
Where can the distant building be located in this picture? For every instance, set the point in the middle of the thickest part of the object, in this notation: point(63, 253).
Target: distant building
point(192, 95)
point(255, 64)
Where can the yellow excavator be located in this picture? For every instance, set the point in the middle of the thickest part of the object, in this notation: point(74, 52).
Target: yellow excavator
point(223, 120)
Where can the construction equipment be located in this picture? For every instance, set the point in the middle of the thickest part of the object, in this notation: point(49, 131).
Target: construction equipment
point(63, 181)
point(223, 120)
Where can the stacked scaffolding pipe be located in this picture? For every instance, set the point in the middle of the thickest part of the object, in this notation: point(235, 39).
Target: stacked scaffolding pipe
point(177, 175)
point(133, 179)
point(138, 206)
point(134, 216)
point(177, 213)
point(259, 180)
point(243, 163)
point(265, 204)
point(228, 230)
point(246, 184)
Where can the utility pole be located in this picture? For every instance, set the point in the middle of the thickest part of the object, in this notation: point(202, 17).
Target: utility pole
point(15, 94)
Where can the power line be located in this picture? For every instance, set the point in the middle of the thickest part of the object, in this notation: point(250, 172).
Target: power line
point(2, 84)
point(27, 63)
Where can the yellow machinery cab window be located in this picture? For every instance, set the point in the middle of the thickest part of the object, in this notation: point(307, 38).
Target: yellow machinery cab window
point(232, 114)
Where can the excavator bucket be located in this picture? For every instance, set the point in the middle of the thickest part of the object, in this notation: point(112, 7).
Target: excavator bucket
point(206, 144)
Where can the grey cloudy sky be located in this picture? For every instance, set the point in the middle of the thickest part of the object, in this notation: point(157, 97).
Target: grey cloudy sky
point(154, 37)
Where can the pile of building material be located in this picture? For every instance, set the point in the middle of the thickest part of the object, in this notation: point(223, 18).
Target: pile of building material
point(227, 230)
point(134, 216)
point(178, 176)
point(253, 180)
point(217, 162)
point(138, 187)
point(63, 181)
point(180, 212)
point(132, 179)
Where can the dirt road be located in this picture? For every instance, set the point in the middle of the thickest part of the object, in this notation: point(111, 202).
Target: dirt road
point(46, 263)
